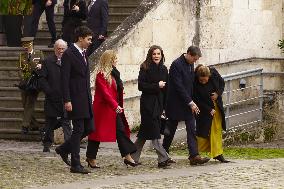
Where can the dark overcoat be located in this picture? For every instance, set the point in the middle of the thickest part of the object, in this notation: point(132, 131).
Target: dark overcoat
point(152, 101)
point(49, 80)
point(97, 18)
point(75, 78)
point(202, 99)
point(180, 90)
point(43, 2)
point(72, 19)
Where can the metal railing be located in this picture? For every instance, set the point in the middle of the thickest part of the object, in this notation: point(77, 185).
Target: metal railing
point(245, 108)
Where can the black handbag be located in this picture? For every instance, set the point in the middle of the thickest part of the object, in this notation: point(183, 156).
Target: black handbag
point(164, 126)
point(31, 84)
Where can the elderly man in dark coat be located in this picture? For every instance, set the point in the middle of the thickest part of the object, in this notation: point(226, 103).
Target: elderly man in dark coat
point(75, 78)
point(53, 105)
point(180, 106)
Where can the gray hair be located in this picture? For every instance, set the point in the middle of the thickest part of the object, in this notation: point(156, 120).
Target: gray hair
point(60, 41)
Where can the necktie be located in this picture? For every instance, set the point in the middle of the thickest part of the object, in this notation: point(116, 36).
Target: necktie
point(91, 4)
point(84, 56)
point(29, 56)
point(58, 62)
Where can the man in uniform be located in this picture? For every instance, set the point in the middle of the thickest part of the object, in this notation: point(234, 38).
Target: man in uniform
point(29, 61)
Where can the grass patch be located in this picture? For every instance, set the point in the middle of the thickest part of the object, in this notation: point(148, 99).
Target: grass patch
point(241, 153)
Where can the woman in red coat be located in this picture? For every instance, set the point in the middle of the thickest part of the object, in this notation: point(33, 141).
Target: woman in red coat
point(110, 121)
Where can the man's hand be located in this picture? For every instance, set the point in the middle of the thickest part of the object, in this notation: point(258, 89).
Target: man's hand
point(101, 37)
point(194, 108)
point(212, 112)
point(75, 8)
point(48, 3)
point(119, 110)
point(38, 66)
point(214, 96)
point(162, 84)
point(68, 106)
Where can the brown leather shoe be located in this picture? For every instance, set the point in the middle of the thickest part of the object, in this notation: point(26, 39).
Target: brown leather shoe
point(198, 160)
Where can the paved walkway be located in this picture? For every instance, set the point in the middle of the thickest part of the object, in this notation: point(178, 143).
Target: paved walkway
point(23, 165)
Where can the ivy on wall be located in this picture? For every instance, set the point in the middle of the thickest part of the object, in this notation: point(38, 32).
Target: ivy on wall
point(281, 45)
point(15, 7)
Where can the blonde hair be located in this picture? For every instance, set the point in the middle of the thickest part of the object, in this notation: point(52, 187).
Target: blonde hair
point(105, 64)
point(202, 71)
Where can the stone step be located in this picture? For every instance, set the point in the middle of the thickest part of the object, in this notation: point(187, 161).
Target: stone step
point(16, 102)
point(10, 61)
point(13, 52)
point(43, 34)
point(124, 2)
point(113, 8)
point(112, 16)
point(17, 113)
point(112, 25)
point(9, 81)
point(9, 72)
point(13, 92)
point(15, 123)
point(15, 134)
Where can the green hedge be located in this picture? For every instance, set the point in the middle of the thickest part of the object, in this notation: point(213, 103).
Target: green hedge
point(15, 7)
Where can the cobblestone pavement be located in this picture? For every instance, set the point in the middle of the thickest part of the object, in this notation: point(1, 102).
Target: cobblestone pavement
point(23, 165)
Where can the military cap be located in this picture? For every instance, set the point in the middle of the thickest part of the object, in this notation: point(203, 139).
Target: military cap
point(27, 41)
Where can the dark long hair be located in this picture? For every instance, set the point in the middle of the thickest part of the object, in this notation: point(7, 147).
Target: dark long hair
point(145, 65)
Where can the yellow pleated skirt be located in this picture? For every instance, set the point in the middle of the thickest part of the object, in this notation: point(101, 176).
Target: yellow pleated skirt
point(213, 144)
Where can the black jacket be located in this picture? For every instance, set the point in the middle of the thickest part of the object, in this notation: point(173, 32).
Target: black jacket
point(97, 18)
point(50, 84)
point(180, 89)
point(202, 99)
point(152, 100)
point(75, 78)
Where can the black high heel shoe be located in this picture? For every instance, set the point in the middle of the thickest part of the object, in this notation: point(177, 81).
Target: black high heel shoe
point(92, 166)
point(221, 159)
point(127, 162)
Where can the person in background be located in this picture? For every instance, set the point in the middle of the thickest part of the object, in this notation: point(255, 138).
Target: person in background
point(38, 7)
point(30, 61)
point(110, 121)
point(152, 81)
point(75, 11)
point(77, 99)
point(97, 20)
point(208, 90)
point(50, 82)
point(180, 105)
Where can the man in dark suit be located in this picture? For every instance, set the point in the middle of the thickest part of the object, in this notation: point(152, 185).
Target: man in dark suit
point(180, 106)
point(50, 82)
point(97, 20)
point(38, 7)
point(75, 78)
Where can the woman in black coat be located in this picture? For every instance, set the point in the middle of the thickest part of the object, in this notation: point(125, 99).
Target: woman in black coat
point(75, 11)
point(152, 79)
point(208, 90)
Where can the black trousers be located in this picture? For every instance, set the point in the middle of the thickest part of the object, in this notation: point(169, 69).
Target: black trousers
point(53, 123)
point(125, 145)
point(49, 12)
point(191, 136)
point(81, 128)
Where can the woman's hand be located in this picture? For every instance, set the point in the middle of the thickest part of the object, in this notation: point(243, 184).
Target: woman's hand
point(212, 112)
point(162, 84)
point(214, 96)
point(119, 110)
point(48, 3)
point(68, 106)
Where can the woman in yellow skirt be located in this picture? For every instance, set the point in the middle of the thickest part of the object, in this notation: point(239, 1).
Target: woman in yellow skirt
point(208, 89)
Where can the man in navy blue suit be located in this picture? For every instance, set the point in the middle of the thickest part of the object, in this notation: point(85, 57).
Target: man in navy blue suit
point(97, 21)
point(75, 78)
point(180, 106)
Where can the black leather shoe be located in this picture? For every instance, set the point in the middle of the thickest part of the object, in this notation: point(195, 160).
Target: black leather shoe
point(79, 169)
point(46, 149)
point(198, 160)
point(25, 130)
point(163, 164)
point(221, 159)
point(63, 155)
point(170, 161)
